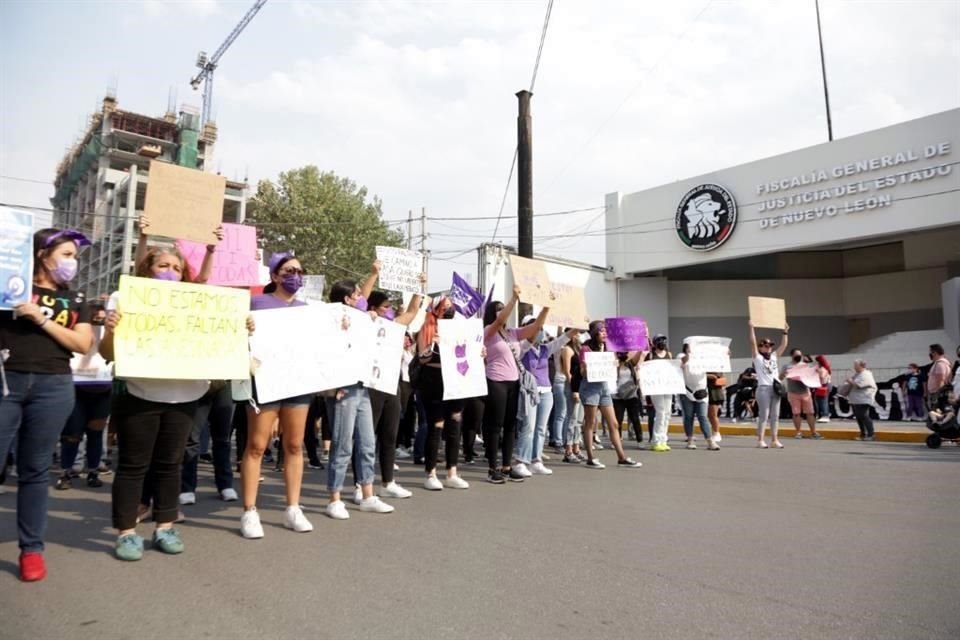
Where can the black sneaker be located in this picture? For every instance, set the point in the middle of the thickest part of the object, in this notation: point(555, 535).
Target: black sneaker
point(93, 480)
point(569, 458)
point(72, 473)
point(515, 476)
point(629, 463)
point(495, 476)
point(316, 465)
point(205, 458)
point(64, 482)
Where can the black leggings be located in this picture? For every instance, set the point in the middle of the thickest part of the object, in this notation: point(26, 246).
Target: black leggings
point(408, 416)
point(473, 409)
point(500, 421)
point(444, 418)
point(386, 422)
point(632, 408)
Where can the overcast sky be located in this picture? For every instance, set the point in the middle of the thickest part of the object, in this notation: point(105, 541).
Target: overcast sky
point(416, 101)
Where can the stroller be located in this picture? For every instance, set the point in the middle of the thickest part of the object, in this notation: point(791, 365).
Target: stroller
point(944, 426)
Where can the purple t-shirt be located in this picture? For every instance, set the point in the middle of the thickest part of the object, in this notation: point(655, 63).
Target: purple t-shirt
point(501, 361)
point(270, 301)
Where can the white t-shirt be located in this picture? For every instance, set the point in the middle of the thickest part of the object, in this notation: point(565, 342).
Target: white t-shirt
point(767, 370)
point(156, 390)
point(695, 380)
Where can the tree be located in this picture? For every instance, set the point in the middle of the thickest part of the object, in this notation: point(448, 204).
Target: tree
point(326, 220)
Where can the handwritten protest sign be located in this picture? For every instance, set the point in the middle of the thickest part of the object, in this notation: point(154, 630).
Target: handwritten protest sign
point(531, 277)
point(180, 330)
point(626, 334)
point(385, 356)
point(568, 306)
point(312, 290)
point(234, 261)
point(287, 365)
point(183, 203)
point(767, 312)
point(805, 373)
point(601, 366)
point(709, 354)
point(16, 257)
point(661, 378)
point(400, 269)
point(90, 368)
point(461, 362)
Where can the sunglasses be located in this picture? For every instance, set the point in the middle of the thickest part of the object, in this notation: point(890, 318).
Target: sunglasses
point(70, 234)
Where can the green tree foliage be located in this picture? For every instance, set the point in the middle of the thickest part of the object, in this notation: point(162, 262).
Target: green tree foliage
point(325, 219)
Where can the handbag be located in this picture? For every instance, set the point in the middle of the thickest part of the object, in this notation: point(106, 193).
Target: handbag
point(778, 389)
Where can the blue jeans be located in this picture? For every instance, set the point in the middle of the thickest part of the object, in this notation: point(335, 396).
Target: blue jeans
point(533, 430)
point(573, 425)
point(561, 391)
point(693, 408)
point(215, 409)
point(35, 413)
point(352, 426)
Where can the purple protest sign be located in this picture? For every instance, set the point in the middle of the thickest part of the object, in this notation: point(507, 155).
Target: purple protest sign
point(626, 334)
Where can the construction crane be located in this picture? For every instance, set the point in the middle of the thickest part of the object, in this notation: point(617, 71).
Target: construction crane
point(209, 65)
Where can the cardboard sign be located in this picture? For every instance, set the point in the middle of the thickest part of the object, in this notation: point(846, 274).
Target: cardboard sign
point(184, 203)
point(91, 368)
point(16, 257)
point(568, 307)
point(768, 312)
point(709, 354)
point(531, 277)
point(302, 350)
point(661, 378)
point(234, 261)
point(400, 269)
point(181, 331)
point(385, 356)
point(461, 359)
point(805, 373)
point(312, 290)
point(626, 334)
point(601, 366)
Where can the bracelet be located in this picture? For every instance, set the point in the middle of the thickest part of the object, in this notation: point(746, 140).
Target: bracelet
point(211, 249)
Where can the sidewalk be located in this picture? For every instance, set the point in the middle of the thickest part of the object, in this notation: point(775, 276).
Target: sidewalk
point(884, 430)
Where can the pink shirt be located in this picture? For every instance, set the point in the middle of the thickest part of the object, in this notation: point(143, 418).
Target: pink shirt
point(501, 361)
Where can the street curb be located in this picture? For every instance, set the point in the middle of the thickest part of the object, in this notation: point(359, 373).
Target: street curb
point(829, 434)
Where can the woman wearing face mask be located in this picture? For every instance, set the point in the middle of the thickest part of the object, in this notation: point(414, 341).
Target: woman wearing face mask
point(37, 341)
point(661, 404)
point(768, 371)
point(626, 399)
point(286, 278)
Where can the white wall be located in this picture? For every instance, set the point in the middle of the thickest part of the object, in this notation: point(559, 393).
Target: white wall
point(888, 292)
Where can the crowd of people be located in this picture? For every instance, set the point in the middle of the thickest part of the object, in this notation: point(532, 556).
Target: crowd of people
point(539, 404)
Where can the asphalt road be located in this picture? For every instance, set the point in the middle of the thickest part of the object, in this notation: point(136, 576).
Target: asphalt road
point(826, 539)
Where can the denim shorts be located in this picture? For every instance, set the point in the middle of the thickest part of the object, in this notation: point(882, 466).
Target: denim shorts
point(595, 394)
point(293, 401)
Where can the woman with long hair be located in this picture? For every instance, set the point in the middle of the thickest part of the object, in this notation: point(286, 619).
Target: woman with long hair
point(626, 397)
point(38, 340)
point(573, 420)
point(765, 364)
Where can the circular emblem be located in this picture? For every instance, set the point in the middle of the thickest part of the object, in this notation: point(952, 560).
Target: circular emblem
point(706, 217)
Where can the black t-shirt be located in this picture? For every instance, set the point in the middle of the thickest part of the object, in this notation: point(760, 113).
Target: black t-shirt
point(914, 384)
point(32, 349)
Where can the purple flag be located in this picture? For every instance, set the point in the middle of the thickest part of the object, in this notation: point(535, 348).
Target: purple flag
point(626, 334)
point(466, 300)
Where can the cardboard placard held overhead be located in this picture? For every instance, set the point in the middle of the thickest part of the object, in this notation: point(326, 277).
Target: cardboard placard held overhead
point(234, 260)
point(183, 203)
point(770, 313)
point(568, 307)
point(531, 276)
point(400, 269)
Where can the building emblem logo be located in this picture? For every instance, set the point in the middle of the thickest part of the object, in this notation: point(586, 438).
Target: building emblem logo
point(706, 217)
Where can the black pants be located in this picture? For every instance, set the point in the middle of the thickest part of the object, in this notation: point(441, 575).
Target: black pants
point(150, 435)
point(862, 413)
point(408, 420)
point(651, 418)
point(444, 419)
point(632, 408)
point(216, 410)
point(500, 421)
point(473, 409)
point(311, 442)
point(386, 421)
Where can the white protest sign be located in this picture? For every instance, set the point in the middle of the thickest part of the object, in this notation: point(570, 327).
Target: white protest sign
point(805, 373)
point(461, 359)
point(661, 378)
point(301, 350)
point(601, 366)
point(400, 269)
point(418, 319)
point(312, 289)
point(385, 356)
point(709, 353)
point(90, 369)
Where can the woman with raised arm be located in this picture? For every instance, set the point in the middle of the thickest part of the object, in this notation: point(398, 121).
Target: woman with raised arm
point(662, 404)
point(765, 363)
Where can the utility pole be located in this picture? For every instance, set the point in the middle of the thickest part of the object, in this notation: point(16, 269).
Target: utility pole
point(410, 229)
point(423, 238)
point(823, 71)
point(524, 184)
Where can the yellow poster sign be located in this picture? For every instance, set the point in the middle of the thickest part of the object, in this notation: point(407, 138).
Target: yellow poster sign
point(180, 330)
point(531, 277)
point(183, 203)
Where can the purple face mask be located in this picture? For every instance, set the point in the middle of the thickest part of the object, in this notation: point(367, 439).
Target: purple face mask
point(292, 282)
point(170, 275)
point(390, 314)
point(361, 304)
point(65, 271)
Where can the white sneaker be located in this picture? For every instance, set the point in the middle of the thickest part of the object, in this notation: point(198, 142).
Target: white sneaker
point(539, 469)
point(403, 454)
point(691, 444)
point(293, 518)
point(188, 497)
point(357, 495)
point(396, 467)
point(456, 482)
point(393, 490)
point(824, 420)
point(229, 495)
point(373, 504)
point(337, 510)
point(432, 484)
point(719, 438)
point(521, 469)
point(250, 527)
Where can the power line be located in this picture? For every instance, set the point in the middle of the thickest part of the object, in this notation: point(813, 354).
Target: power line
point(543, 37)
point(18, 179)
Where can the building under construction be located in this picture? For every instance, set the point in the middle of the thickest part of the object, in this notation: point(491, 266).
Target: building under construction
point(101, 183)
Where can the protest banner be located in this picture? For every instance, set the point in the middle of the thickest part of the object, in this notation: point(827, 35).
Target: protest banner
point(661, 378)
point(767, 312)
point(183, 203)
point(709, 353)
point(90, 368)
point(601, 366)
point(181, 330)
point(626, 334)
point(568, 307)
point(531, 277)
point(461, 359)
point(312, 290)
point(400, 269)
point(234, 261)
point(301, 350)
point(16, 257)
point(466, 300)
point(386, 354)
point(806, 373)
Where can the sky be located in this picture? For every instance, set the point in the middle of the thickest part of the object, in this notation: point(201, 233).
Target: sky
point(415, 100)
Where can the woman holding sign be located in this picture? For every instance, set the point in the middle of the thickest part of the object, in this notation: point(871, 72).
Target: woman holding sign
point(595, 396)
point(37, 340)
point(661, 404)
point(765, 359)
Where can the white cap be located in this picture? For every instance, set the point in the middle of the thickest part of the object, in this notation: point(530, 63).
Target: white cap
point(527, 319)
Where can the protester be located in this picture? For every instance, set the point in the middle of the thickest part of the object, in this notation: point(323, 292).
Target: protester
point(745, 398)
point(661, 404)
point(694, 402)
point(768, 383)
point(626, 397)
point(716, 396)
point(862, 395)
point(799, 397)
point(938, 378)
point(214, 415)
point(573, 421)
point(38, 339)
point(821, 394)
point(913, 388)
